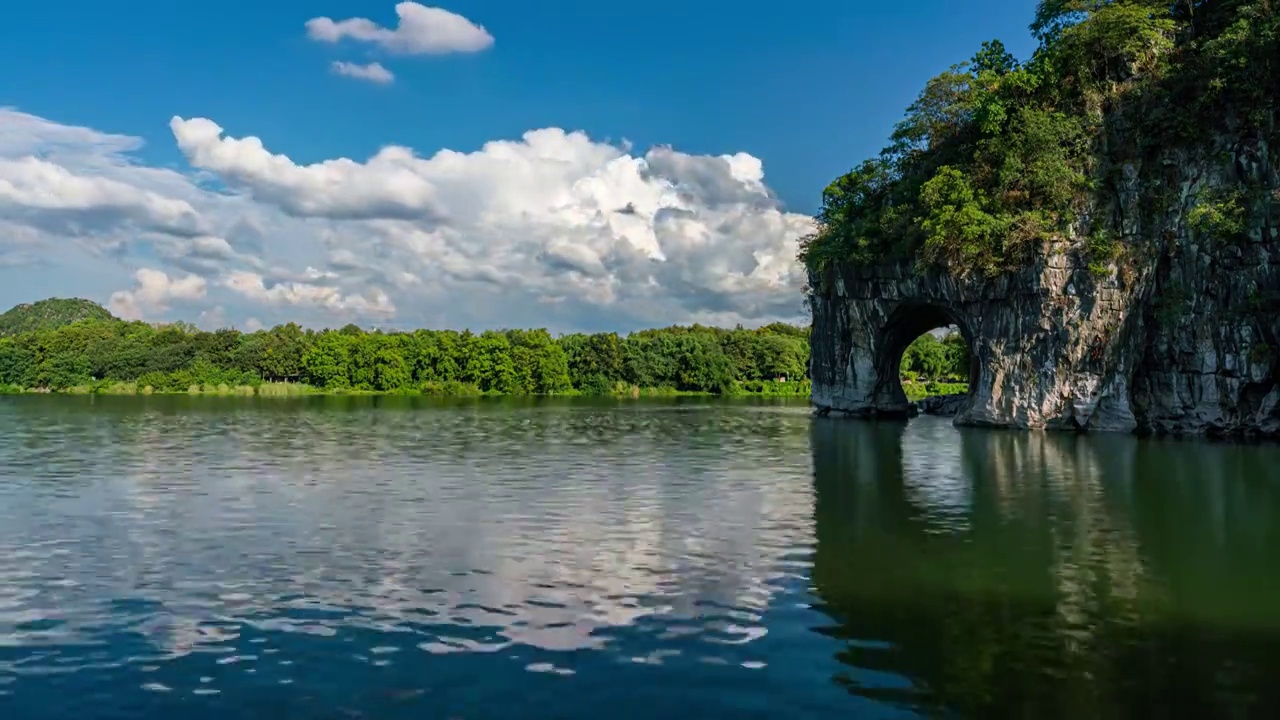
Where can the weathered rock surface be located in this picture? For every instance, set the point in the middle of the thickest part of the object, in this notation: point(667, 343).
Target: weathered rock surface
point(942, 405)
point(1181, 335)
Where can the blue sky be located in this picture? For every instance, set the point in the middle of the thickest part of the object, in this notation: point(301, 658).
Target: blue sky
point(808, 88)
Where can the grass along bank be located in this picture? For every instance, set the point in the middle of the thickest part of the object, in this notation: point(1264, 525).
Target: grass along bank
point(766, 388)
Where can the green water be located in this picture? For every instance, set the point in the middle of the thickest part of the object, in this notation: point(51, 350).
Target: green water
point(411, 558)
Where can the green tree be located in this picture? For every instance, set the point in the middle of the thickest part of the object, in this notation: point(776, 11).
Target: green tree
point(957, 356)
point(283, 348)
point(327, 362)
point(17, 362)
point(392, 370)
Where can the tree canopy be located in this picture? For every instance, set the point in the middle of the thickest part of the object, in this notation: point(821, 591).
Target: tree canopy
point(97, 353)
point(996, 154)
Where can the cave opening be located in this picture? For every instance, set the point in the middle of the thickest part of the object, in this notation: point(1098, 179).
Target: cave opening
point(926, 352)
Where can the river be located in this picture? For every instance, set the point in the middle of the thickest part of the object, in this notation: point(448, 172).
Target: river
point(174, 557)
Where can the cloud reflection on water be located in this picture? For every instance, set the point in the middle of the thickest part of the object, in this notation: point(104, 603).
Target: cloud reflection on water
point(463, 531)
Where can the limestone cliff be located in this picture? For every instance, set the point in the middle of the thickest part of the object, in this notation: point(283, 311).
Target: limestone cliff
point(1178, 333)
point(1099, 220)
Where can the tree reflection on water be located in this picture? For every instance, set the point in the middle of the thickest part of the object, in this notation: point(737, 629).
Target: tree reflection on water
point(1048, 575)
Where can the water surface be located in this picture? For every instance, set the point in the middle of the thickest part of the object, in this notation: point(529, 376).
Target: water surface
point(405, 558)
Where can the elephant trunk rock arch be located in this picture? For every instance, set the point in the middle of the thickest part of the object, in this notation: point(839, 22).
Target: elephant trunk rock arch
point(1043, 354)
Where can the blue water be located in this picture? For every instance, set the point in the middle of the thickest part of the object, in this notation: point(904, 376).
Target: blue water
point(401, 558)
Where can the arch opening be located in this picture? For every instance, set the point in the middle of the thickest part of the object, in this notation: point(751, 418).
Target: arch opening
point(926, 360)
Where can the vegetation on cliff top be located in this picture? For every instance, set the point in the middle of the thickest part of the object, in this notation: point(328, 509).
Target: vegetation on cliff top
point(50, 314)
point(997, 155)
point(110, 355)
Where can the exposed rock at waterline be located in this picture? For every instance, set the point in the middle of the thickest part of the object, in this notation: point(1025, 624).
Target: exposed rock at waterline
point(941, 405)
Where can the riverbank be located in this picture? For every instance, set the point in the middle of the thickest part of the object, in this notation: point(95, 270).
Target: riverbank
point(756, 388)
point(915, 391)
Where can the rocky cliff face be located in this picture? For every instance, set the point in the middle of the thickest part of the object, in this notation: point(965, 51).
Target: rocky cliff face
point(1178, 333)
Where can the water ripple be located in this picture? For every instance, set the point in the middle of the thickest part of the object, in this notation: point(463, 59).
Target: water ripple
point(402, 558)
point(189, 549)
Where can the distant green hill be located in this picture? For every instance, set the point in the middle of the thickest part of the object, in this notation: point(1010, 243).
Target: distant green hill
point(50, 314)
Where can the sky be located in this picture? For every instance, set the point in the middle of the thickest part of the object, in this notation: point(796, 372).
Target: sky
point(482, 164)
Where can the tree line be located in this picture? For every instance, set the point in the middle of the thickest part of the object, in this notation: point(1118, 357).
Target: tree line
point(96, 355)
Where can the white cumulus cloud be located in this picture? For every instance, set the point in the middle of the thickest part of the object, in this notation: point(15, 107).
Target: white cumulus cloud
point(154, 291)
point(552, 228)
point(373, 72)
point(422, 30)
point(372, 303)
point(339, 189)
point(48, 194)
point(555, 213)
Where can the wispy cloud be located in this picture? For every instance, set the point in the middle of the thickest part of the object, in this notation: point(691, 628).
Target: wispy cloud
point(372, 72)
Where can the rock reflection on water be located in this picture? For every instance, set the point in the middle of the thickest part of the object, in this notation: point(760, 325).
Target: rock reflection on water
point(1049, 575)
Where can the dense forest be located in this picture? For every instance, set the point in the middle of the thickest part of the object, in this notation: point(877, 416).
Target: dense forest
point(60, 351)
point(997, 155)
